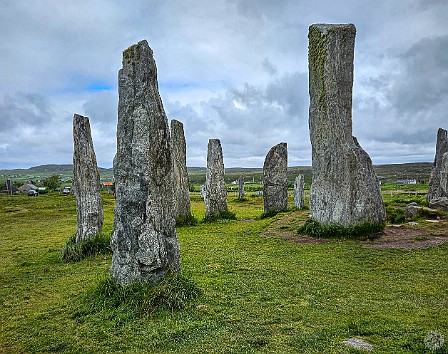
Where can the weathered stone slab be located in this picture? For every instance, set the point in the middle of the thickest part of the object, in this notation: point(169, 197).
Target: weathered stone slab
point(144, 240)
point(86, 182)
point(275, 179)
point(181, 184)
point(299, 192)
point(439, 203)
point(438, 181)
point(241, 188)
point(358, 343)
point(215, 187)
point(345, 189)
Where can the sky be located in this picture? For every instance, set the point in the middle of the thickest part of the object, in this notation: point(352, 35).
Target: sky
point(236, 70)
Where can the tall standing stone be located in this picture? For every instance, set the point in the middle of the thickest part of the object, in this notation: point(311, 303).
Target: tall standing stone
point(215, 186)
point(437, 179)
point(241, 188)
point(86, 182)
point(345, 189)
point(299, 192)
point(144, 240)
point(181, 184)
point(275, 179)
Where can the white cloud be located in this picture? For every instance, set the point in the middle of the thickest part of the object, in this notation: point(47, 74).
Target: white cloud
point(229, 69)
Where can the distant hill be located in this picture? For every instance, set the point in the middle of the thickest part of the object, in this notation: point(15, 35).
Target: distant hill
point(386, 173)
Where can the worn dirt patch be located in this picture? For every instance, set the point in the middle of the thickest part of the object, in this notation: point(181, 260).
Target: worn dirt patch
point(406, 236)
point(286, 228)
point(409, 236)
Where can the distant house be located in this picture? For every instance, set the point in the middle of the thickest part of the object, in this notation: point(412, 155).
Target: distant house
point(108, 186)
point(406, 181)
point(27, 187)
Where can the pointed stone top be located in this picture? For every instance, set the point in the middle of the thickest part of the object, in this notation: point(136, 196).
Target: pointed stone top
point(176, 123)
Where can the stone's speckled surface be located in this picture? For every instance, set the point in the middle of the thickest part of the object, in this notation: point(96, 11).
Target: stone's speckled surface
point(215, 187)
point(275, 179)
point(241, 187)
point(345, 189)
point(86, 182)
point(299, 192)
point(438, 181)
point(181, 184)
point(144, 240)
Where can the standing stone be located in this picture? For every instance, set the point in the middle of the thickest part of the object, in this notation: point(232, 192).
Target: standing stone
point(241, 188)
point(181, 184)
point(144, 240)
point(275, 179)
point(215, 186)
point(345, 189)
point(86, 182)
point(202, 191)
point(299, 192)
point(438, 179)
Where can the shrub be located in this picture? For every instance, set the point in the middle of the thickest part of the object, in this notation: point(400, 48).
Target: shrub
point(174, 292)
point(313, 228)
point(271, 213)
point(186, 220)
point(225, 214)
point(74, 252)
point(395, 215)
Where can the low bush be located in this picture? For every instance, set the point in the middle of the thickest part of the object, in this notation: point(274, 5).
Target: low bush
point(174, 292)
point(225, 214)
point(186, 220)
point(313, 228)
point(271, 213)
point(395, 215)
point(74, 252)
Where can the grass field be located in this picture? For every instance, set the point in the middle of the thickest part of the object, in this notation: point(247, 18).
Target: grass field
point(260, 293)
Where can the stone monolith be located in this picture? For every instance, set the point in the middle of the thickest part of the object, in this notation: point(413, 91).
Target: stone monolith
point(86, 182)
point(144, 240)
point(241, 188)
point(181, 184)
point(345, 189)
point(275, 179)
point(299, 192)
point(438, 179)
point(215, 186)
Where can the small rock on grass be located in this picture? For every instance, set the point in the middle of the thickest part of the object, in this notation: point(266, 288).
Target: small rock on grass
point(358, 343)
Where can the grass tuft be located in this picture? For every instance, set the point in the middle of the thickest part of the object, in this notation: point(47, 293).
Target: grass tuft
point(313, 228)
point(174, 292)
point(271, 213)
point(395, 215)
point(225, 214)
point(74, 252)
point(186, 220)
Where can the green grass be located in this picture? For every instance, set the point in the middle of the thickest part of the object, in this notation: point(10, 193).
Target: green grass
point(74, 252)
point(243, 292)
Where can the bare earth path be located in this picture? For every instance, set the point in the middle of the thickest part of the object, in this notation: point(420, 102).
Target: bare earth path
point(411, 235)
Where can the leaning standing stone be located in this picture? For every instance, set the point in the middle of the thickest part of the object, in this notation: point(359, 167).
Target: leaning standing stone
point(241, 188)
point(299, 192)
point(438, 178)
point(181, 184)
point(275, 179)
point(144, 240)
point(345, 189)
point(215, 186)
point(86, 182)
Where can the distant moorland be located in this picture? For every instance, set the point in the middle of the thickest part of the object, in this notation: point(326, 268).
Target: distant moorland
point(420, 171)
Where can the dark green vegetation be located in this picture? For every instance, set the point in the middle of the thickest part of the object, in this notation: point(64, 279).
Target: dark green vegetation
point(242, 290)
point(313, 228)
point(73, 252)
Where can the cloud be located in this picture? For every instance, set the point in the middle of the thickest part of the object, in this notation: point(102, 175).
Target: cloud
point(230, 69)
